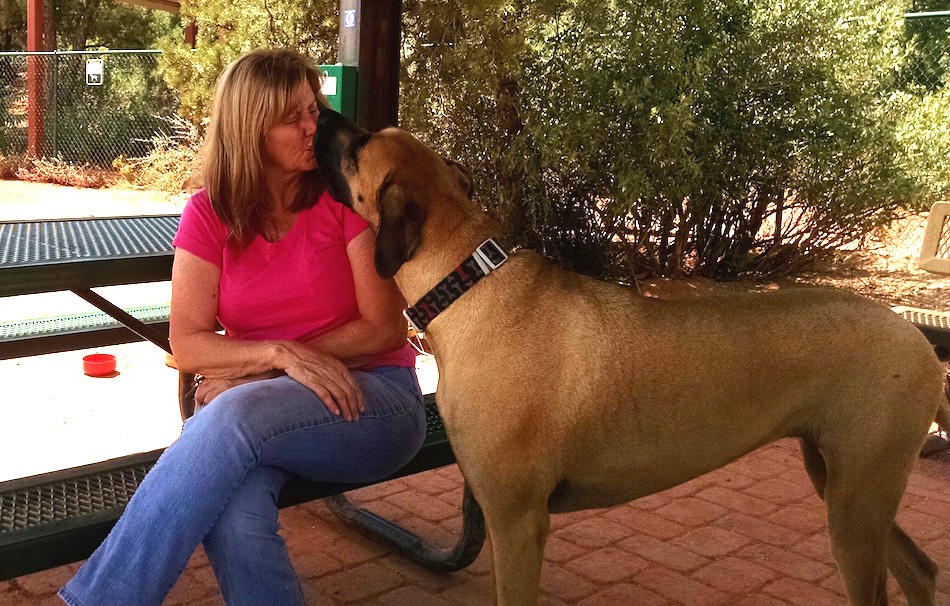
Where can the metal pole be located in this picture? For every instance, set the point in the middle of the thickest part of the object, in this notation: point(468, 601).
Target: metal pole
point(433, 557)
point(54, 103)
point(34, 77)
point(349, 53)
point(370, 39)
point(927, 15)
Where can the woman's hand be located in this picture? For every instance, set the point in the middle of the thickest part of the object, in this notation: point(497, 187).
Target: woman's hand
point(210, 388)
point(325, 376)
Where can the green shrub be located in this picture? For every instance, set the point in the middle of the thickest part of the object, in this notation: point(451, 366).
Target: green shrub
point(641, 137)
point(172, 163)
point(226, 30)
point(59, 172)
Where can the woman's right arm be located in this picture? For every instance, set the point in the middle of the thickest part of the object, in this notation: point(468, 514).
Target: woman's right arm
point(196, 346)
point(199, 349)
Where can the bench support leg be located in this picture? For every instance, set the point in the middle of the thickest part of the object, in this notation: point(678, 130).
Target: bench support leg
point(437, 559)
point(129, 321)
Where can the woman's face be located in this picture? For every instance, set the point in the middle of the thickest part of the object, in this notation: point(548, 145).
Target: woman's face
point(288, 145)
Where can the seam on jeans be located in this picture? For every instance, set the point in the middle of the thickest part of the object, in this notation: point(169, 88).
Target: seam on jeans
point(411, 388)
point(67, 597)
point(295, 427)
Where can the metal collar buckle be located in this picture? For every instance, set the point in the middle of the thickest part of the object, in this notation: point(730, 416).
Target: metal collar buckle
point(489, 255)
point(415, 327)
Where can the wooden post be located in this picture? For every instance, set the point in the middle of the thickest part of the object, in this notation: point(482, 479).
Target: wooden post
point(191, 34)
point(370, 33)
point(35, 77)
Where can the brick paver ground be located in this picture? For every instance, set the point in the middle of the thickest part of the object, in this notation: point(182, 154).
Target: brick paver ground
point(750, 534)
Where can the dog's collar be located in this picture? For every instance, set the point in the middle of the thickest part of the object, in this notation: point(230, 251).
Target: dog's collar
point(486, 258)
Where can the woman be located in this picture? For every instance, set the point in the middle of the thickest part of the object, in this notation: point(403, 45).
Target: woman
point(312, 377)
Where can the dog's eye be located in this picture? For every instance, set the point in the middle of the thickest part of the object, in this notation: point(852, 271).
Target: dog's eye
point(359, 197)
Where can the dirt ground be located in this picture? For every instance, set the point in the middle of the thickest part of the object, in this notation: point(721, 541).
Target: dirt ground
point(887, 269)
point(23, 200)
point(884, 269)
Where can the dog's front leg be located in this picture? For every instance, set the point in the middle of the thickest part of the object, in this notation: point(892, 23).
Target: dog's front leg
point(518, 533)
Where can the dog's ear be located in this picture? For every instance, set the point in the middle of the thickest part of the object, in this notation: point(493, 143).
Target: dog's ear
point(464, 178)
point(400, 230)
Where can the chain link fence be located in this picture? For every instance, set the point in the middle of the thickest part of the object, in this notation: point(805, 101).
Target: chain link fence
point(927, 65)
point(88, 108)
point(922, 99)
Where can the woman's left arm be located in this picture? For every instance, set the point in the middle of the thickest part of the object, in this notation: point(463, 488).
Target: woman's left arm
point(381, 326)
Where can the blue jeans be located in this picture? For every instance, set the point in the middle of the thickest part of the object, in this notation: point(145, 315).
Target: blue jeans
point(218, 484)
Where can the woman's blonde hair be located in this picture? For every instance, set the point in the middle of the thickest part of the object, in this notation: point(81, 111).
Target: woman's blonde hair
point(252, 94)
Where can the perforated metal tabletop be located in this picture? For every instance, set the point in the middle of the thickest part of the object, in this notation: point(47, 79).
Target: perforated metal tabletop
point(44, 256)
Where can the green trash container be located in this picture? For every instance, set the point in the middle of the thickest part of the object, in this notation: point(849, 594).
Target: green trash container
point(339, 87)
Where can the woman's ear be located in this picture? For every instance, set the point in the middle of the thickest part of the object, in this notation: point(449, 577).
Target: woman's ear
point(400, 230)
point(464, 178)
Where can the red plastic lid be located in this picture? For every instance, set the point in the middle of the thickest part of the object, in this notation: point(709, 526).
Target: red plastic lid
point(98, 364)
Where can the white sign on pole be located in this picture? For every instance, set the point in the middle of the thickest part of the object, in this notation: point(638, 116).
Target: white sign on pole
point(349, 18)
point(329, 85)
point(94, 72)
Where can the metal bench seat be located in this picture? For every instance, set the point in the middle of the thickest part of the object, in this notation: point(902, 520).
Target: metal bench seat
point(934, 258)
point(935, 325)
point(77, 331)
point(61, 517)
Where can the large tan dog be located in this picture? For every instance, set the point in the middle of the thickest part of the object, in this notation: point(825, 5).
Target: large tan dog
point(560, 392)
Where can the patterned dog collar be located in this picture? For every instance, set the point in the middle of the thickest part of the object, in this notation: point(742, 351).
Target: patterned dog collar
point(486, 258)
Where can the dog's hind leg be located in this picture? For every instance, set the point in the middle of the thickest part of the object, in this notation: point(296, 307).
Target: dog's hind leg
point(867, 472)
point(858, 539)
point(859, 523)
point(914, 570)
point(518, 534)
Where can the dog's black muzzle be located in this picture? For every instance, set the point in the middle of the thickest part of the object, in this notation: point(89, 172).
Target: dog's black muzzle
point(336, 144)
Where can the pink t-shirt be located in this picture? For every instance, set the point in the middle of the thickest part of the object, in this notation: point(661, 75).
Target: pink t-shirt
point(294, 289)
